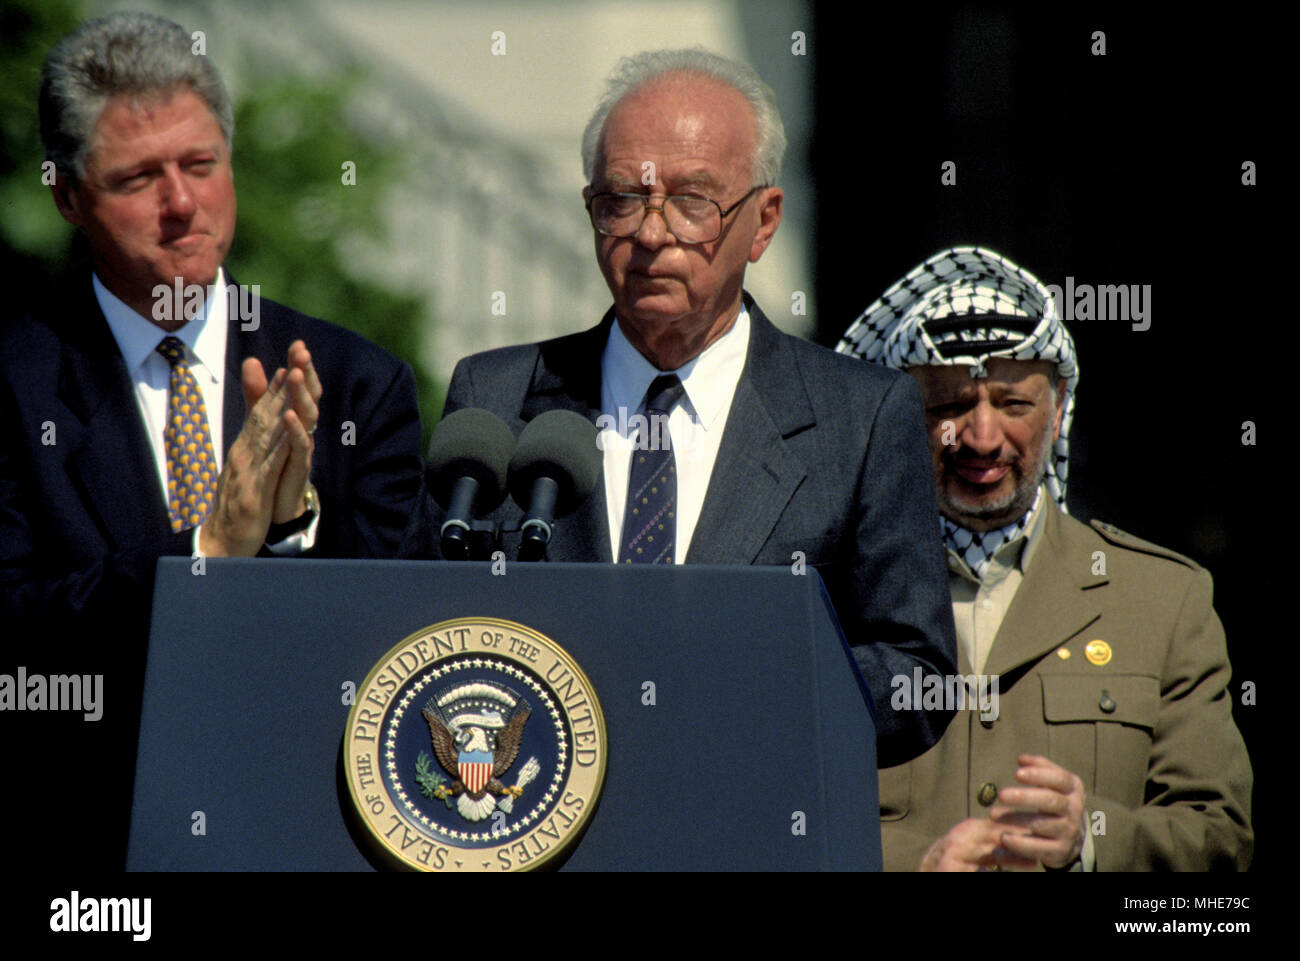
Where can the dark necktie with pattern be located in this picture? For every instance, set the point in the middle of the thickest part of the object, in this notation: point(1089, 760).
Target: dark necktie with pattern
point(650, 517)
point(191, 467)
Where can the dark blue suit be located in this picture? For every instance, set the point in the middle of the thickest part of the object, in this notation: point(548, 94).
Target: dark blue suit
point(83, 519)
point(822, 454)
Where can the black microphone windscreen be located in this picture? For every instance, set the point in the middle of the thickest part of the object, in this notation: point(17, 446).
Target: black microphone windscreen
point(560, 444)
point(471, 442)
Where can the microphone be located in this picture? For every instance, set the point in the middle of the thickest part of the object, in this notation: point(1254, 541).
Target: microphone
point(469, 457)
point(553, 470)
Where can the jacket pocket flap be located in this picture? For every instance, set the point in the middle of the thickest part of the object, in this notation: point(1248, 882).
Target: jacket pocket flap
point(1120, 698)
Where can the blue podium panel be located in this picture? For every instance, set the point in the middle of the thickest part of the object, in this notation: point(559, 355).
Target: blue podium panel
point(759, 724)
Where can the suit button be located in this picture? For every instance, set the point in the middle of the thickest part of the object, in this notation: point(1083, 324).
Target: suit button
point(986, 723)
point(1107, 703)
point(988, 793)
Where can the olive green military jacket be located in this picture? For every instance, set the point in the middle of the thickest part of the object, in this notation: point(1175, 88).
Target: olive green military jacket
point(1144, 719)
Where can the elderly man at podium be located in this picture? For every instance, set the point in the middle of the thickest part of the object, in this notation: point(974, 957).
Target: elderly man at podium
point(778, 451)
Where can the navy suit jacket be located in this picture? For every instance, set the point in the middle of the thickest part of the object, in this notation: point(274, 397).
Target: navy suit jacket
point(822, 454)
point(83, 519)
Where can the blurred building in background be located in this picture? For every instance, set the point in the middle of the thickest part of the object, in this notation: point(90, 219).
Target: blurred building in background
point(476, 110)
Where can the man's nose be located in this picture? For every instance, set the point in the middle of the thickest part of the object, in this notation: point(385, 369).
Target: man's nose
point(177, 196)
point(653, 232)
point(983, 430)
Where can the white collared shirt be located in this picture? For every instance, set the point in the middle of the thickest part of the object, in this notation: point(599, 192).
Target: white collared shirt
point(696, 422)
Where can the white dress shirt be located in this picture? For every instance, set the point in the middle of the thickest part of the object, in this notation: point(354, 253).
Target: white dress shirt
point(204, 338)
point(696, 422)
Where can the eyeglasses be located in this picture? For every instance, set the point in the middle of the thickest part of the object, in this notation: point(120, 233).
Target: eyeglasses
point(691, 219)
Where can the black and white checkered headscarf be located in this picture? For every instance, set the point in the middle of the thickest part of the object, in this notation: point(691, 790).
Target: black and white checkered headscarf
point(961, 307)
point(977, 548)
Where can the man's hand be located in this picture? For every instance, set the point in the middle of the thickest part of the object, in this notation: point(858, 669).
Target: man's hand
point(246, 488)
point(976, 844)
point(1040, 821)
point(266, 473)
point(1046, 813)
point(303, 392)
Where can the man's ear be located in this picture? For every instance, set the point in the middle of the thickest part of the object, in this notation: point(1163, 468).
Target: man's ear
point(67, 199)
point(1060, 408)
point(769, 214)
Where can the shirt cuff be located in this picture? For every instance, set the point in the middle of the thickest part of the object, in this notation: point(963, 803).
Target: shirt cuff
point(298, 543)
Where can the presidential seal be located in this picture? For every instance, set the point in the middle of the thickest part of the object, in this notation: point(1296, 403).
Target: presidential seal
point(476, 744)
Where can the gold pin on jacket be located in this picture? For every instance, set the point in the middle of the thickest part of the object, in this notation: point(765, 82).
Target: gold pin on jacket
point(1097, 652)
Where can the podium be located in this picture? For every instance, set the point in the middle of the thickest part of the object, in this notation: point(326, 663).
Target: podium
point(740, 732)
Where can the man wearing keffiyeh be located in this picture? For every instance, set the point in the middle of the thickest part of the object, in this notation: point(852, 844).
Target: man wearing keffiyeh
point(1111, 744)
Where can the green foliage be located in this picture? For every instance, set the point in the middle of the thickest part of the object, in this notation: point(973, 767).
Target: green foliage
point(425, 775)
point(34, 239)
point(292, 139)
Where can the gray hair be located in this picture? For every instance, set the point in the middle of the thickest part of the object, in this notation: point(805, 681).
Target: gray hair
point(127, 52)
point(636, 71)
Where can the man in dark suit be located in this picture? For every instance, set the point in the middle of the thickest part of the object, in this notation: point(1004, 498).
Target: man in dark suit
point(767, 462)
point(138, 420)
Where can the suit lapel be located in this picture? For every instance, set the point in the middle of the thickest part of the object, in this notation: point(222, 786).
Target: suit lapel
point(567, 377)
point(112, 460)
point(754, 475)
point(239, 345)
point(1055, 601)
point(233, 410)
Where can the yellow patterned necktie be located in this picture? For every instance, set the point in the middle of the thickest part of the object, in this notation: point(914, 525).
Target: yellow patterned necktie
point(191, 468)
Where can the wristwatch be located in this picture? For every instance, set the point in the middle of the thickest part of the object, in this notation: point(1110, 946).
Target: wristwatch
point(278, 532)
